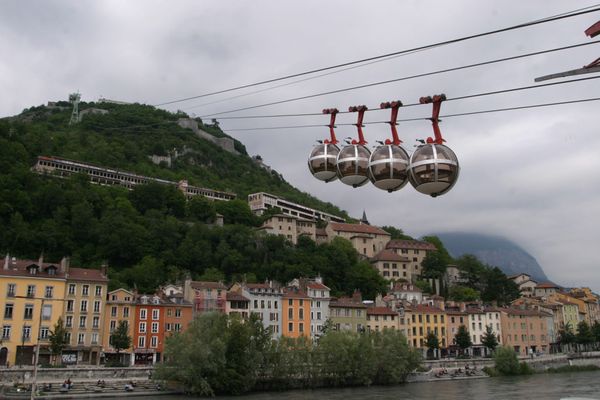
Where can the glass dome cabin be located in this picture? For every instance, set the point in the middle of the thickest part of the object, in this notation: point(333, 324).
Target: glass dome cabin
point(322, 162)
point(353, 165)
point(433, 169)
point(388, 167)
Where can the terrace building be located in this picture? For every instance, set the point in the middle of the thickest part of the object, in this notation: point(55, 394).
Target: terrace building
point(260, 202)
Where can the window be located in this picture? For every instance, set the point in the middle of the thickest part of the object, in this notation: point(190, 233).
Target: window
point(97, 306)
point(72, 289)
point(84, 305)
point(301, 327)
point(452, 320)
point(44, 332)
point(28, 311)
point(95, 322)
point(85, 290)
point(155, 327)
point(30, 290)
point(177, 327)
point(98, 291)
point(26, 333)
point(6, 332)
point(318, 315)
point(442, 319)
point(143, 313)
point(435, 319)
point(113, 325)
point(94, 338)
point(68, 337)
point(290, 302)
point(47, 312)
point(291, 327)
point(255, 303)
point(69, 321)
point(82, 321)
point(125, 312)
point(11, 290)
point(301, 313)
point(142, 327)
point(155, 314)
point(48, 292)
point(8, 311)
point(291, 313)
point(154, 341)
point(70, 304)
point(142, 341)
point(275, 304)
point(178, 313)
point(113, 311)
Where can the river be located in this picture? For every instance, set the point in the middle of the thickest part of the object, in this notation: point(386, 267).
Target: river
point(534, 387)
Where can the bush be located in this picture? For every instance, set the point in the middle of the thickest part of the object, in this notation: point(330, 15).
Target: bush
point(490, 371)
point(525, 369)
point(573, 368)
point(506, 362)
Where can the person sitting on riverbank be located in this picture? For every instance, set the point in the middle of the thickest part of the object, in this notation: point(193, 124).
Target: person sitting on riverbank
point(129, 387)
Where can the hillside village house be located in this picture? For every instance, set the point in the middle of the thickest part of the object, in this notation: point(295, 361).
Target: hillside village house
point(348, 313)
point(414, 250)
point(524, 330)
point(546, 289)
point(382, 318)
point(392, 266)
point(526, 284)
point(366, 239)
point(264, 299)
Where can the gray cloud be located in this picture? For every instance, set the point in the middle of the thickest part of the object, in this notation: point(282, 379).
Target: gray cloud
point(529, 175)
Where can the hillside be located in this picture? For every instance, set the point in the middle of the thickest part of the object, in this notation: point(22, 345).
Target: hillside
point(152, 235)
point(493, 250)
point(128, 134)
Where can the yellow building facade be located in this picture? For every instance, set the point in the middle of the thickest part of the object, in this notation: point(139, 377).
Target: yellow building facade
point(31, 302)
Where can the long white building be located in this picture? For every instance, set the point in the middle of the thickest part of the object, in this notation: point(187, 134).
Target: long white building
point(107, 176)
point(260, 202)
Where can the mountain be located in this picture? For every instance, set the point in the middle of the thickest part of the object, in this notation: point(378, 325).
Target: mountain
point(493, 250)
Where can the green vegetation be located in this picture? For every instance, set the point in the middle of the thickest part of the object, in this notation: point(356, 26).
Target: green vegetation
point(433, 344)
point(120, 339)
point(573, 368)
point(507, 363)
point(463, 339)
point(463, 293)
point(58, 340)
point(489, 339)
point(220, 354)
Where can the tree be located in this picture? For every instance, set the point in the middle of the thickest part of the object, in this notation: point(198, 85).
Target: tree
point(433, 343)
point(201, 209)
point(596, 331)
point(424, 286)
point(584, 334)
point(489, 339)
point(506, 361)
point(58, 339)
point(463, 339)
point(566, 336)
point(396, 233)
point(394, 358)
point(120, 338)
point(463, 293)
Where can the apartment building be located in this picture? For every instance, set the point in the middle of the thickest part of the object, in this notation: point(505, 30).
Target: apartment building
point(120, 307)
point(319, 295)
point(295, 313)
point(414, 250)
point(237, 304)
point(427, 319)
point(260, 202)
point(479, 318)
point(264, 299)
point(84, 306)
point(31, 301)
point(382, 318)
point(205, 296)
point(455, 318)
point(348, 313)
point(524, 330)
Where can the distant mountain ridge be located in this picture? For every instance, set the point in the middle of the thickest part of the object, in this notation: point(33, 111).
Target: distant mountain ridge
point(493, 250)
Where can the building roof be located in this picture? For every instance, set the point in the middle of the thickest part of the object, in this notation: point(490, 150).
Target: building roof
point(207, 285)
point(380, 311)
point(86, 274)
point(233, 296)
point(316, 286)
point(16, 267)
point(517, 275)
point(388, 255)
point(410, 244)
point(294, 293)
point(528, 313)
point(346, 302)
point(357, 228)
point(321, 232)
point(426, 308)
point(547, 285)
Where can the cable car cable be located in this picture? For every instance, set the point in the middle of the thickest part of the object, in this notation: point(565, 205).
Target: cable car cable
point(451, 41)
point(404, 78)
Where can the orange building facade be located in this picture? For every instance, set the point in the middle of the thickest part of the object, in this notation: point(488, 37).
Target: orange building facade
point(295, 313)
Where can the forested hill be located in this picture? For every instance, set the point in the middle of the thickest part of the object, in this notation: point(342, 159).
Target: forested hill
point(152, 235)
point(128, 134)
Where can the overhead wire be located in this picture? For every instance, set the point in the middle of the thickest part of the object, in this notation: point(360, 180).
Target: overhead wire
point(464, 97)
point(404, 78)
point(495, 110)
point(570, 14)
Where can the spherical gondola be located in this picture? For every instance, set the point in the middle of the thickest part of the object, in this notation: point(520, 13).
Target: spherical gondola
point(353, 165)
point(322, 162)
point(388, 167)
point(433, 169)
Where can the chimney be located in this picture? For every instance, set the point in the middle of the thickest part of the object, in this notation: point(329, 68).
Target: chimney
point(319, 279)
point(6, 262)
point(357, 296)
point(64, 264)
point(104, 269)
point(41, 260)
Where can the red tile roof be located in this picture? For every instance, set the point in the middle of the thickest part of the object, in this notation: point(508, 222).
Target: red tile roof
point(86, 274)
point(357, 228)
point(317, 286)
point(410, 244)
point(528, 313)
point(233, 296)
point(547, 285)
point(425, 308)
point(405, 287)
point(321, 232)
point(346, 302)
point(292, 293)
point(21, 268)
point(389, 255)
point(380, 311)
point(207, 285)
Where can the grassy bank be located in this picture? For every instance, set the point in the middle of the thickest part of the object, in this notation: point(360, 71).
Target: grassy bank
point(573, 368)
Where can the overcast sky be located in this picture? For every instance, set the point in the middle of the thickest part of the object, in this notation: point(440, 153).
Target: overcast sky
point(531, 175)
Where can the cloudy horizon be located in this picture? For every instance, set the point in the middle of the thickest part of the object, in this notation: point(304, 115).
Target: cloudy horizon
point(526, 175)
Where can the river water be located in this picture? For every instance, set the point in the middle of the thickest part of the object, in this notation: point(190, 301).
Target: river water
point(534, 387)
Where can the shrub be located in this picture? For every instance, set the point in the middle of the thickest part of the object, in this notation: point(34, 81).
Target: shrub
point(506, 362)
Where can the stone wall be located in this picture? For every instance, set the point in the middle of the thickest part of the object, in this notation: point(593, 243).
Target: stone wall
point(79, 374)
point(225, 143)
